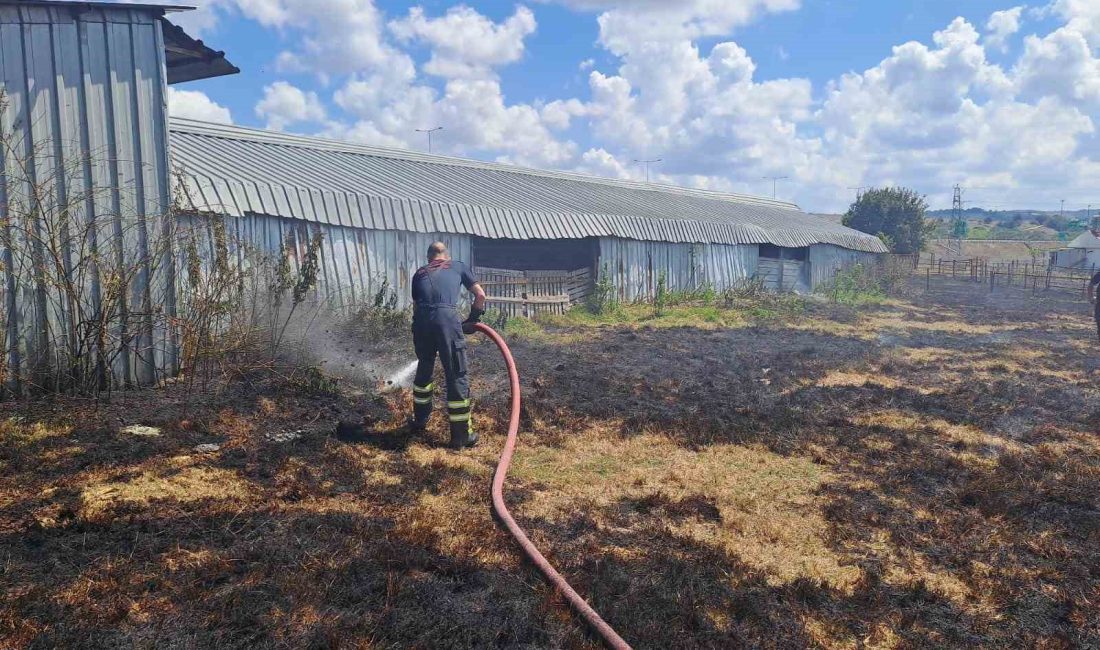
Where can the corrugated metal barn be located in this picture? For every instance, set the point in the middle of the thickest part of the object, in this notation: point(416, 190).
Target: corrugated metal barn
point(92, 167)
point(379, 209)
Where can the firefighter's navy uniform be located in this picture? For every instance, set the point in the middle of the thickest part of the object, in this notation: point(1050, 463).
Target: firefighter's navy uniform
point(1094, 286)
point(437, 329)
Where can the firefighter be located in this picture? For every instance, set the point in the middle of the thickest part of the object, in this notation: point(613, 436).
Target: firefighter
point(1094, 298)
point(437, 330)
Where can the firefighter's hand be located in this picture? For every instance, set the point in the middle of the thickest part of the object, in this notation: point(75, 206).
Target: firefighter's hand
point(474, 319)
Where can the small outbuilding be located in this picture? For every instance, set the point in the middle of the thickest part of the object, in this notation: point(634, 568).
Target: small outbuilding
point(1081, 253)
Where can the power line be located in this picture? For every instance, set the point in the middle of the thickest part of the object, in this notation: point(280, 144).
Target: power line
point(646, 164)
point(429, 132)
point(774, 180)
point(859, 191)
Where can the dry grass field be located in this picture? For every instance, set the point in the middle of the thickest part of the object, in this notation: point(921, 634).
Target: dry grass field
point(911, 474)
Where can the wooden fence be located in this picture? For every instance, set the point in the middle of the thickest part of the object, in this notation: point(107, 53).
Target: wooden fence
point(1033, 275)
point(529, 293)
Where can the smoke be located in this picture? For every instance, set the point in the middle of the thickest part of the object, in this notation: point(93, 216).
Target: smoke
point(327, 339)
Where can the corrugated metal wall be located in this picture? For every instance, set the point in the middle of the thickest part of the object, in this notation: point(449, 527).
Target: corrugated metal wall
point(86, 115)
point(826, 259)
point(635, 266)
point(354, 261)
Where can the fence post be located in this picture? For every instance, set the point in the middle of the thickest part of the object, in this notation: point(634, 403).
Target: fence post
point(928, 283)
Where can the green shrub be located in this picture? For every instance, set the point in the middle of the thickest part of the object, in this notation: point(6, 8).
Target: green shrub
point(604, 298)
point(380, 319)
point(661, 299)
point(858, 285)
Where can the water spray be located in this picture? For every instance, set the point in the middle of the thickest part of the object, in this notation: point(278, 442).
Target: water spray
point(402, 378)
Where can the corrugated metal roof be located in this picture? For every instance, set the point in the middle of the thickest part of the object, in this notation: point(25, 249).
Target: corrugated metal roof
point(236, 171)
point(101, 4)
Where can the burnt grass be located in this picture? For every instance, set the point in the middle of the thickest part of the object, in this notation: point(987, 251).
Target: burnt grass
point(944, 448)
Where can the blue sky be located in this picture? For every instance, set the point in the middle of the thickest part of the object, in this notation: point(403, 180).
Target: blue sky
point(998, 96)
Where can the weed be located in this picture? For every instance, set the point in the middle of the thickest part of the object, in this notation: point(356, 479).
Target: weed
point(661, 299)
point(856, 285)
point(604, 298)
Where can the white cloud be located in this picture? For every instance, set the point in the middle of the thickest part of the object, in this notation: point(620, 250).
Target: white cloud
point(465, 43)
point(332, 37)
point(1060, 64)
point(932, 116)
point(1001, 25)
point(1081, 16)
point(559, 113)
point(196, 105)
point(600, 162)
point(932, 112)
point(626, 24)
point(284, 104)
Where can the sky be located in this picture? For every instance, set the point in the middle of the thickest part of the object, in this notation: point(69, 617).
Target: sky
point(999, 97)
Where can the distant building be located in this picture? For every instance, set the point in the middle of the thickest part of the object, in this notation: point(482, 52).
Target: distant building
point(1083, 252)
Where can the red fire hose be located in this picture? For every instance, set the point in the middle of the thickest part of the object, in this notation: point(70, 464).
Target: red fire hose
point(609, 636)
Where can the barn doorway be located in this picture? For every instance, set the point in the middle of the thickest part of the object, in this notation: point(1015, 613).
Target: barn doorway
point(527, 277)
point(784, 269)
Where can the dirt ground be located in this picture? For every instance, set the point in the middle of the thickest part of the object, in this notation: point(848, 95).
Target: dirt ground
point(919, 473)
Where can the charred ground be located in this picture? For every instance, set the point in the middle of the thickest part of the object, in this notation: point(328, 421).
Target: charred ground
point(917, 473)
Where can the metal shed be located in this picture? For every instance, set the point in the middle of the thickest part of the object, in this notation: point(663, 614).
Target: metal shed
point(85, 188)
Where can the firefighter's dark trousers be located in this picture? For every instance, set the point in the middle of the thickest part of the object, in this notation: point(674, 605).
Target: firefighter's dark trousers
point(438, 331)
point(1096, 308)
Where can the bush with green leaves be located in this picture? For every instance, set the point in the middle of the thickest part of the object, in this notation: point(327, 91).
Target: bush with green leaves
point(894, 214)
point(604, 298)
point(859, 284)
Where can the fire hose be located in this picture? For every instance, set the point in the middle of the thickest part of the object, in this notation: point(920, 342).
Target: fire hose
point(598, 625)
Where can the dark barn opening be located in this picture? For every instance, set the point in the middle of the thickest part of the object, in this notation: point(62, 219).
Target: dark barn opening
point(536, 254)
point(784, 269)
point(524, 277)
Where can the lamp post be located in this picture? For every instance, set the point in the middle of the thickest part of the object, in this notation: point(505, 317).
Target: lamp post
point(430, 132)
point(646, 164)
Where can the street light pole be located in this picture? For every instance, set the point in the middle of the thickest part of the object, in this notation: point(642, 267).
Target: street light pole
point(645, 164)
point(774, 180)
point(429, 132)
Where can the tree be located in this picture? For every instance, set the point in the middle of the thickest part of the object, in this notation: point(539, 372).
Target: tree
point(895, 214)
